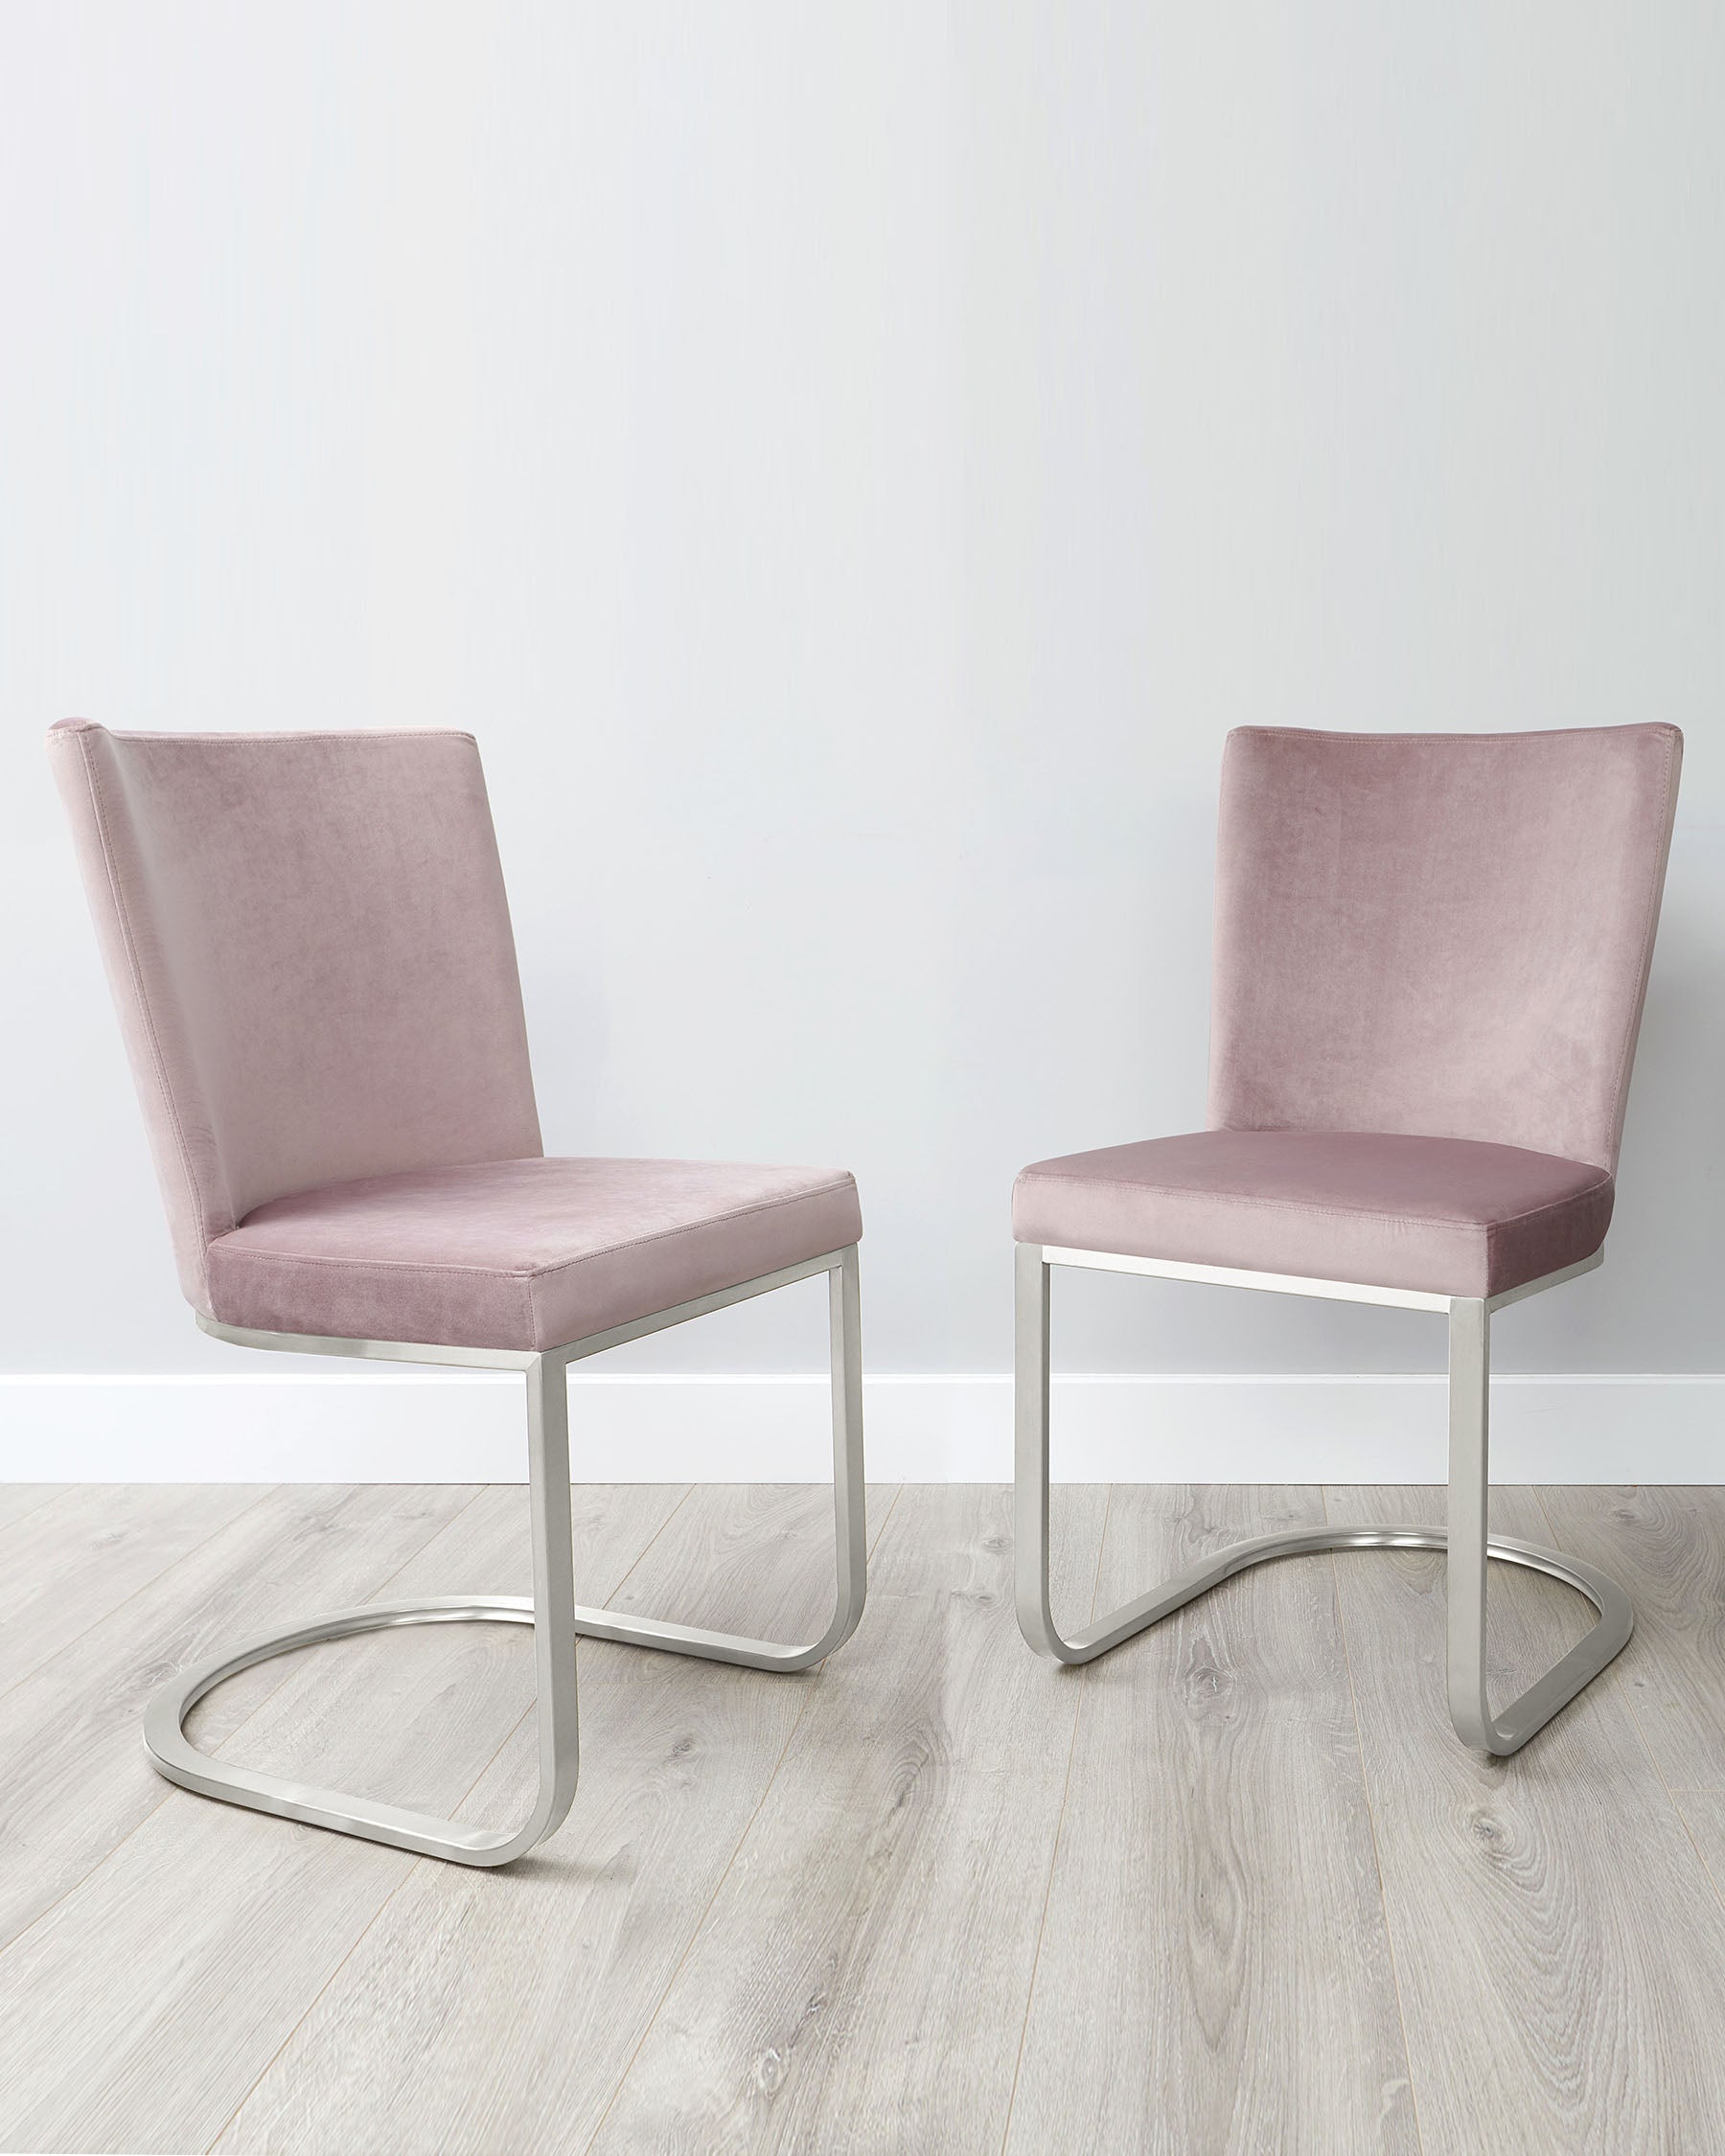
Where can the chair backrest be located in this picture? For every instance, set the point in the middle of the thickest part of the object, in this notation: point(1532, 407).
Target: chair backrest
point(309, 942)
point(1439, 935)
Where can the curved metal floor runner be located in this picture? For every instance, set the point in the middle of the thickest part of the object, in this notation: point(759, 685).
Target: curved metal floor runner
point(172, 1754)
point(1503, 1734)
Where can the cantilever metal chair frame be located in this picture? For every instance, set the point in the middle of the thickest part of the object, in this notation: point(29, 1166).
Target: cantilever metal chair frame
point(558, 1621)
point(1467, 1542)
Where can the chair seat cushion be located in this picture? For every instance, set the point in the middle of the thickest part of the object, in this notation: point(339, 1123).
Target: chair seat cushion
point(1444, 1216)
point(521, 1253)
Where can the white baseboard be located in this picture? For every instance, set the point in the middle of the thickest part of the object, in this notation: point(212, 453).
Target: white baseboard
point(423, 1426)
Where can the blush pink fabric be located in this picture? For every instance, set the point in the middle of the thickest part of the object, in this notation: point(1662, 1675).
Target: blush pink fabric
point(1430, 962)
point(309, 946)
point(1446, 1216)
point(521, 1254)
point(1445, 934)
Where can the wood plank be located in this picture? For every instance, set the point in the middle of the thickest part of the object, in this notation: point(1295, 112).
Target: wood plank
point(76, 1780)
point(1215, 1970)
point(1666, 1548)
point(868, 1956)
point(499, 2011)
point(1560, 1953)
point(16, 1499)
point(1703, 1813)
point(140, 2009)
point(64, 1564)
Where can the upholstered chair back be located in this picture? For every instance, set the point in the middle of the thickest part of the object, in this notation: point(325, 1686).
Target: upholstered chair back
point(309, 942)
point(1445, 935)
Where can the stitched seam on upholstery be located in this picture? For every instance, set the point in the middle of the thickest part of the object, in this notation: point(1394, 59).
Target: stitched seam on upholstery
point(1299, 1205)
point(128, 944)
point(1646, 956)
point(1239, 1198)
point(1551, 1205)
point(366, 1265)
point(529, 1273)
point(332, 733)
point(1540, 733)
point(716, 1219)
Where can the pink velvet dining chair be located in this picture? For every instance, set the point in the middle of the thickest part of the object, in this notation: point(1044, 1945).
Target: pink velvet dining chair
point(309, 947)
point(1431, 953)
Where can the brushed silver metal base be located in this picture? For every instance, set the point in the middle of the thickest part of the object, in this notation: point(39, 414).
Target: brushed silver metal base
point(557, 1619)
point(1466, 1540)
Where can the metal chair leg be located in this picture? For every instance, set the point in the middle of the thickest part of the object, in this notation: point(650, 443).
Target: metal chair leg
point(1466, 1537)
point(1470, 1544)
point(849, 1527)
point(553, 1612)
point(550, 1613)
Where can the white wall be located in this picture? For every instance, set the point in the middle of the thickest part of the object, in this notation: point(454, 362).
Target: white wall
point(851, 465)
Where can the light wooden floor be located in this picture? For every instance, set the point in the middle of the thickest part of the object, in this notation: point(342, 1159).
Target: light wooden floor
point(1236, 1887)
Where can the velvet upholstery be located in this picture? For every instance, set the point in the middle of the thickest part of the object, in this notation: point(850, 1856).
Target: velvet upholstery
point(309, 946)
point(1431, 955)
point(308, 941)
point(1446, 935)
point(521, 1253)
point(1447, 1216)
